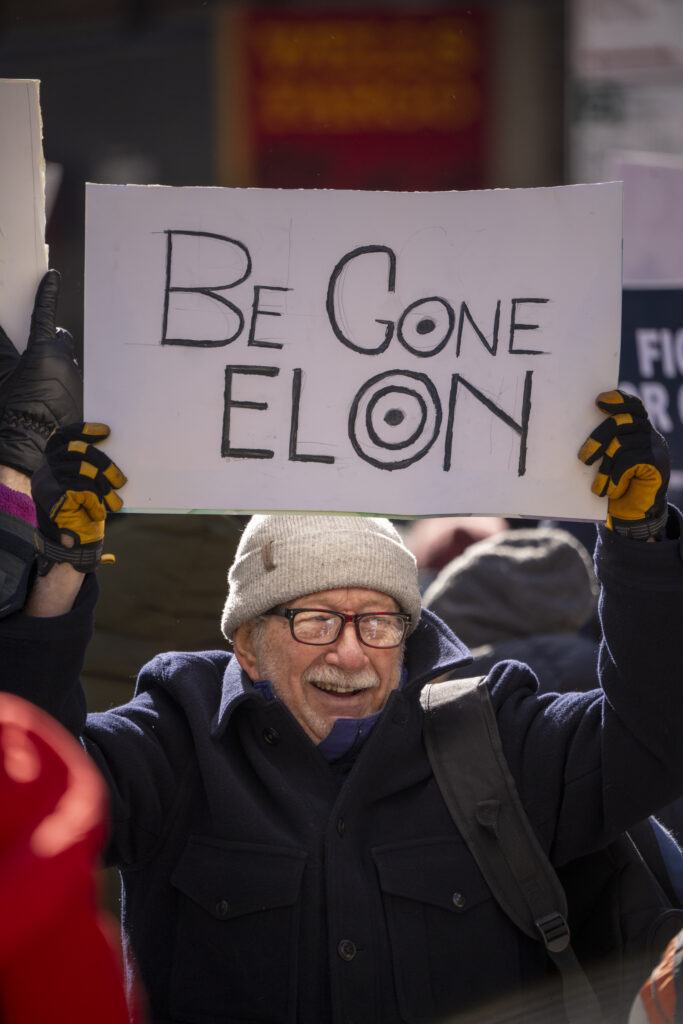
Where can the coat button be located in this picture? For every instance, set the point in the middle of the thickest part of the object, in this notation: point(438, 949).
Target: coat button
point(341, 826)
point(271, 736)
point(347, 949)
point(222, 908)
point(458, 900)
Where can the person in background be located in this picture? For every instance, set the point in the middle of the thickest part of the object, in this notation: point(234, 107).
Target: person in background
point(436, 541)
point(531, 595)
point(523, 594)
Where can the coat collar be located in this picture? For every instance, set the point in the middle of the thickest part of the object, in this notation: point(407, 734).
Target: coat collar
point(431, 650)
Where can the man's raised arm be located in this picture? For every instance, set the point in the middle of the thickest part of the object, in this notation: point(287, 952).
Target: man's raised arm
point(40, 392)
point(633, 471)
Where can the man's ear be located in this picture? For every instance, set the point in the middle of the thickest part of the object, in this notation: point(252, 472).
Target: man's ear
point(245, 652)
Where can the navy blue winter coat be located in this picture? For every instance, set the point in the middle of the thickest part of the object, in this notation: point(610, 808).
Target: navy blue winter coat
point(260, 888)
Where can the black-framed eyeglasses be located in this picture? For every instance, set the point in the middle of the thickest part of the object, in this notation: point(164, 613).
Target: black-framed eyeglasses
point(320, 626)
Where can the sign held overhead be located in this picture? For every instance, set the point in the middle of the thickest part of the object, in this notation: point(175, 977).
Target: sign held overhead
point(397, 353)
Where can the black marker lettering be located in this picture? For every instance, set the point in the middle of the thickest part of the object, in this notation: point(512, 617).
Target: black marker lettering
point(465, 312)
point(229, 403)
point(520, 428)
point(331, 295)
point(384, 420)
point(294, 455)
point(209, 291)
point(256, 310)
point(425, 325)
point(514, 326)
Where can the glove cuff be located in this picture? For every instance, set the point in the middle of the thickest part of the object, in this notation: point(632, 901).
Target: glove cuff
point(641, 529)
point(84, 557)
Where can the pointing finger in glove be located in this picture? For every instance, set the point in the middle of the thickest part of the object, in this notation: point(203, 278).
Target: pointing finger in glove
point(634, 467)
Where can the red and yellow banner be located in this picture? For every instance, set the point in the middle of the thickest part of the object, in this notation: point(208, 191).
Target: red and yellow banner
point(357, 100)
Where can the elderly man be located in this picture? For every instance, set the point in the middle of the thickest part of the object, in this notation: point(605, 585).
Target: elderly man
point(285, 851)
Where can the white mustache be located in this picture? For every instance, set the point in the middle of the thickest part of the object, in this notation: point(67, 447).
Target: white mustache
point(331, 675)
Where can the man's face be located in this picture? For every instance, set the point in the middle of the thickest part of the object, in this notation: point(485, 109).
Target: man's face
point(345, 679)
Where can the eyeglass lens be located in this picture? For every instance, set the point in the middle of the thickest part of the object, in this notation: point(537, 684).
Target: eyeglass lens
point(312, 627)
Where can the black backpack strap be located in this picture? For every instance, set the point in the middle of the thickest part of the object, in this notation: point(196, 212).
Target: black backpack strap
point(467, 758)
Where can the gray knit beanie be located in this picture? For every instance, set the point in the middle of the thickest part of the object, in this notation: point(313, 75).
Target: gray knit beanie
point(282, 557)
point(516, 583)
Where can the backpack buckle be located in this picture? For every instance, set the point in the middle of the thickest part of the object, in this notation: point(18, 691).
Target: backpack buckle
point(555, 932)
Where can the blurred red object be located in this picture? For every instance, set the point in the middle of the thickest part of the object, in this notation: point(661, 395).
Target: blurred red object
point(434, 542)
point(58, 956)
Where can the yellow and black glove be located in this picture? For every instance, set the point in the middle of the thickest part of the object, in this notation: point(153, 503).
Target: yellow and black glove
point(634, 471)
point(73, 489)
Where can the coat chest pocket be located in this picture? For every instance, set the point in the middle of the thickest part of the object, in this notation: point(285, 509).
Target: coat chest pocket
point(449, 939)
point(237, 935)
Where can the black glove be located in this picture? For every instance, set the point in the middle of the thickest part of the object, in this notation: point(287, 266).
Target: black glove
point(634, 472)
point(73, 489)
point(41, 389)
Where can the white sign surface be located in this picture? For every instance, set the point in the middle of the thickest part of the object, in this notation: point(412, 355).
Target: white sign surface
point(391, 353)
point(23, 255)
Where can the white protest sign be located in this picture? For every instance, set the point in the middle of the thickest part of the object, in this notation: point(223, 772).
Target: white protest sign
point(374, 352)
point(653, 217)
point(23, 254)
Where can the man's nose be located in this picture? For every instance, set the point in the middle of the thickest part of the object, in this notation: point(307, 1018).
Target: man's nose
point(347, 650)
